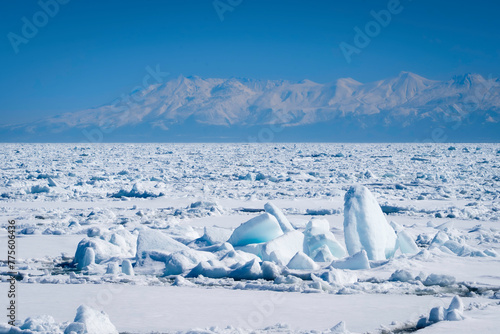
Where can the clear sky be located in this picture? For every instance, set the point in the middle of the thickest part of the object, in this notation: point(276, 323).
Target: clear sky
point(89, 52)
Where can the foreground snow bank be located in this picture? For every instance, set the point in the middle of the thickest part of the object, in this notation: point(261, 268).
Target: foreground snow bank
point(87, 321)
point(90, 321)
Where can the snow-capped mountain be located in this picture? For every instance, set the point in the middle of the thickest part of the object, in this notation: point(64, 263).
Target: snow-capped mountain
point(192, 108)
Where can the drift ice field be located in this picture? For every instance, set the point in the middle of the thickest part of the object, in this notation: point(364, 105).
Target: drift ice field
point(253, 238)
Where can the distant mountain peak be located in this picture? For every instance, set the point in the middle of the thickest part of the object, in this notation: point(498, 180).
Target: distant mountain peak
point(405, 74)
point(468, 79)
point(307, 82)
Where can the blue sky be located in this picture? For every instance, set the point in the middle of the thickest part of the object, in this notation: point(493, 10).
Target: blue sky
point(90, 52)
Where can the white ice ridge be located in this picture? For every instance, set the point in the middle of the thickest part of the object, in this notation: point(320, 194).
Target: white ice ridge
point(365, 226)
point(278, 214)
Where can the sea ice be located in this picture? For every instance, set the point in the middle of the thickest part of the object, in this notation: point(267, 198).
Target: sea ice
point(237, 257)
point(454, 315)
point(401, 275)
point(283, 248)
point(181, 281)
point(88, 258)
point(323, 254)
point(436, 314)
point(213, 235)
point(113, 268)
point(406, 243)
point(102, 250)
point(317, 234)
point(178, 262)
point(441, 280)
point(278, 214)
point(339, 277)
point(339, 328)
point(270, 270)
point(354, 262)
point(365, 227)
point(152, 240)
point(211, 269)
point(302, 261)
point(456, 304)
point(262, 228)
point(127, 268)
point(90, 321)
point(250, 270)
point(43, 323)
point(136, 191)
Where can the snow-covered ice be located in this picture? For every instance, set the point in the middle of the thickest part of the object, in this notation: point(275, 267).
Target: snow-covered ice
point(174, 235)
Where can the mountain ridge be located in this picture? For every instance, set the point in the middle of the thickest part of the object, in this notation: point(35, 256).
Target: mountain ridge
point(403, 102)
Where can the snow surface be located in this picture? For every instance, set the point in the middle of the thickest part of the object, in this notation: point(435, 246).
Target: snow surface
point(144, 309)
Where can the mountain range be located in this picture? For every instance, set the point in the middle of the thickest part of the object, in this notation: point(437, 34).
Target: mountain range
point(407, 107)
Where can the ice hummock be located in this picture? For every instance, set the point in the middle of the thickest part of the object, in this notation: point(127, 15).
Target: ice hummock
point(150, 240)
point(406, 243)
point(100, 250)
point(454, 312)
point(354, 262)
point(213, 235)
point(262, 228)
point(285, 224)
point(251, 270)
point(283, 248)
point(365, 227)
point(302, 262)
point(323, 254)
point(43, 323)
point(90, 321)
point(317, 234)
point(88, 258)
point(127, 268)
